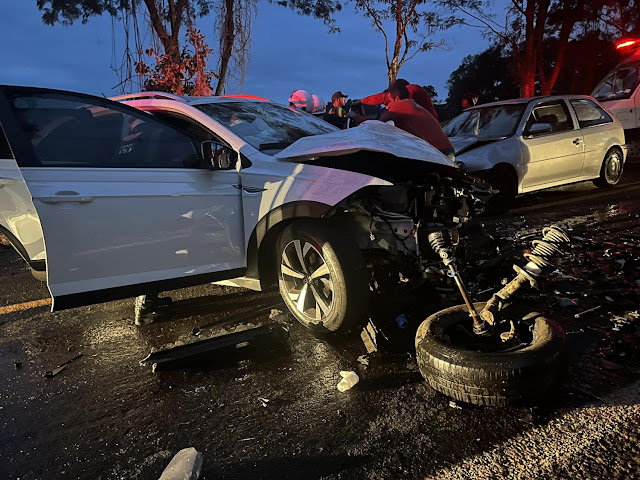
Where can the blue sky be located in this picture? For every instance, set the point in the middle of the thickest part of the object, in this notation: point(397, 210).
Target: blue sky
point(289, 52)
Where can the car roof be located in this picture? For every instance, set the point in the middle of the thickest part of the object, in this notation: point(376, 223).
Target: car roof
point(186, 98)
point(521, 101)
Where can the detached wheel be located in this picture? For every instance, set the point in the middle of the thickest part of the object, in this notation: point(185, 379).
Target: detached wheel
point(521, 374)
point(322, 277)
point(611, 171)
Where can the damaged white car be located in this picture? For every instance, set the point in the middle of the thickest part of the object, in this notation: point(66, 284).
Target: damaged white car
point(114, 201)
point(528, 144)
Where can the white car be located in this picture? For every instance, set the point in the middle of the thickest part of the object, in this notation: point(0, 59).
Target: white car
point(114, 201)
point(529, 144)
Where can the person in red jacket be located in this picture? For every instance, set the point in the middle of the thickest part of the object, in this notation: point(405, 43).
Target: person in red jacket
point(411, 117)
point(416, 93)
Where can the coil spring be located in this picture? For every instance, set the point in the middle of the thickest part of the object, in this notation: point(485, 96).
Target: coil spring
point(440, 240)
point(552, 238)
point(443, 245)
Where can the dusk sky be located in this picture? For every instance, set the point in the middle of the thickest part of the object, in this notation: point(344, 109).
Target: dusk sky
point(289, 52)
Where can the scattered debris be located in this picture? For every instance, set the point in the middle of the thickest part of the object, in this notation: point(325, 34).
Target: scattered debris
point(578, 315)
point(61, 367)
point(369, 337)
point(453, 404)
point(609, 365)
point(264, 401)
point(17, 364)
point(401, 321)
point(185, 465)
point(364, 360)
point(271, 336)
point(349, 379)
point(567, 302)
point(278, 316)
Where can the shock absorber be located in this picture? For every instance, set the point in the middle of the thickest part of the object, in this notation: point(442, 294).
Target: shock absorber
point(539, 262)
point(443, 245)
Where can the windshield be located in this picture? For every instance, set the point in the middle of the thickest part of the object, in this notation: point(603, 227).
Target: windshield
point(485, 123)
point(266, 126)
point(618, 85)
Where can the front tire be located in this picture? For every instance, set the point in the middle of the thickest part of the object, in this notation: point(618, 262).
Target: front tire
point(322, 277)
point(516, 376)
point(611, 170)
point(505, 180)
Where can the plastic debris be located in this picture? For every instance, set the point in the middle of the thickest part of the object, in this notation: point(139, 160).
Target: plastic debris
point(61, 367)
point(364, 360)
point(185, 465)
point(369, 336)
point(349, 379)
point(453, 404)
point(264, 401)
point(578, 315)
point(401, 321)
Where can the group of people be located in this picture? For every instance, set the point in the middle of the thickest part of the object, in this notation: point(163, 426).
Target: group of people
point(408, 105)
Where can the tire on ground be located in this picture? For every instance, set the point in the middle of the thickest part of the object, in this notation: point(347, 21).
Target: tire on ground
point(605, 180)
point(347, 270)
point(492, 379)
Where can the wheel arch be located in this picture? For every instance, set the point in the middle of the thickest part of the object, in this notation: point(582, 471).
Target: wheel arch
point(38, 265)
point(261, 264)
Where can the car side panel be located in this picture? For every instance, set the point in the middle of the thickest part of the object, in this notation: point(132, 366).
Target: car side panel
point(17, 212)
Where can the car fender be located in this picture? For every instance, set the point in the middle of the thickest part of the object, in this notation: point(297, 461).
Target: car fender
point(276, 193)
point(487, 156)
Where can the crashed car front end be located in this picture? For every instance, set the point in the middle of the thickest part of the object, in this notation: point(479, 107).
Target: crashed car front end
point(426, 193)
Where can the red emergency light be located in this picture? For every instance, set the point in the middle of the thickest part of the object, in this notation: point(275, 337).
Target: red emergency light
point(627, 43)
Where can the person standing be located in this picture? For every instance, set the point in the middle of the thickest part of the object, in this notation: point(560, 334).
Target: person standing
point(336, 114)
point(407, 115)
point(416, 93)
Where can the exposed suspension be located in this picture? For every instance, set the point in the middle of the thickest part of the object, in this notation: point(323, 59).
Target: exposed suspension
point(539, 262)
point(443, 245)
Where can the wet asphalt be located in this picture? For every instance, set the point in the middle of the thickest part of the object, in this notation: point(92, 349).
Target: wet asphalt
point(276, 414)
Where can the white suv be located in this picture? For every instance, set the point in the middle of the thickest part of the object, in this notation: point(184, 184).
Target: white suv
point(115, 201)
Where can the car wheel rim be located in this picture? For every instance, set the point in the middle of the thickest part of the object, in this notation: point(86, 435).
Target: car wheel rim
point(613, 168)
point(307, 280)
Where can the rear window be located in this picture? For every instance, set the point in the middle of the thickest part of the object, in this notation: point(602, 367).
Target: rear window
point(5, 149)
point(589, 114)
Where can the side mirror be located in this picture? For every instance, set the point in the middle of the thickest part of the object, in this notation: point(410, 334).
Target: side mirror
point(218, 156)
point(538, 128)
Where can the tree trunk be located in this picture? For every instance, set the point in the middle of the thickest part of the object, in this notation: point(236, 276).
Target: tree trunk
point(394, 64)
point(226, 47)
point(527, 66)
point(548, 83)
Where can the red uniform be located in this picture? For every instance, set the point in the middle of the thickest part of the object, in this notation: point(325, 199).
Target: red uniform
point(411, 117)
point(416, 92)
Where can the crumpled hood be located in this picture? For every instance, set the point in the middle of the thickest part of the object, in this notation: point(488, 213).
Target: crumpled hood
point(372, 135)
point(463, 144)
point(460, 143)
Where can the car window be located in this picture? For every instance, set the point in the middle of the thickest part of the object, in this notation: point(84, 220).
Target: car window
point(487, 122)
point(5, 149)
point(555, 113)
point(618, 85)
point(588, 113)
point(70, 130)
point(266, 126)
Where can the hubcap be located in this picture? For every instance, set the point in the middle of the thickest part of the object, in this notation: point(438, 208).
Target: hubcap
point(614, 168)
point(306, 279)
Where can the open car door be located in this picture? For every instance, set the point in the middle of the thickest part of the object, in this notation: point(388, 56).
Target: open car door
point(126, 204)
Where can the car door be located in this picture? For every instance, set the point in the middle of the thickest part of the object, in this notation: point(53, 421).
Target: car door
point(597, 130)
point(555, 156)
point(125, 202)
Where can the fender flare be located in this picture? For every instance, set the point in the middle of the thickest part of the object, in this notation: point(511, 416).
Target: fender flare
point(38, 265)
point(266, 232)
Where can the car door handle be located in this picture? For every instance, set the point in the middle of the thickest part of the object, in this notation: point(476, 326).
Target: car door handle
point(577, 141)
point(249, 189)
point(66, 197)
point(7, 182)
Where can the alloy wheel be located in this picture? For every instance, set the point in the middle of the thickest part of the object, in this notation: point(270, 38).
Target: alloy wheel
point(613, 168)
point(307, 280)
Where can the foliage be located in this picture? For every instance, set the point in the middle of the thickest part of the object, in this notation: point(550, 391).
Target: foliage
point(320, 9)
point(488, 74)
point(188, 76)
point(530, 25)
